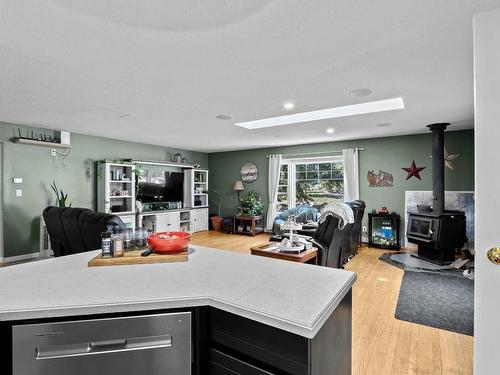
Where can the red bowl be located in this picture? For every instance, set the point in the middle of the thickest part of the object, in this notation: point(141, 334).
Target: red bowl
point(169, 242)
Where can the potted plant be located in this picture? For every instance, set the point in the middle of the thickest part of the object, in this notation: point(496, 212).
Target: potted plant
point(61, 198)
point(250, 205)
point(215, 199)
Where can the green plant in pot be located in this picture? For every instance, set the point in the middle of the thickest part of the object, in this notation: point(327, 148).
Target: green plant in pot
point(61, 198)
point(250, 205)
point(215, 199)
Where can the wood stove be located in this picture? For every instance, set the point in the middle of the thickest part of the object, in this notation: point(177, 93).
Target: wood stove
point(438, 233)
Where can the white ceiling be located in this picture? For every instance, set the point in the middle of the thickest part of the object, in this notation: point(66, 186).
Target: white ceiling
point(159, 71)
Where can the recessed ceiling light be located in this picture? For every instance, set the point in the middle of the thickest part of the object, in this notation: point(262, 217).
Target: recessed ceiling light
point(359, 93)
point(288, 105)
point(224, 117)
point(330, 130)
point(383, 124)
point(323, 114)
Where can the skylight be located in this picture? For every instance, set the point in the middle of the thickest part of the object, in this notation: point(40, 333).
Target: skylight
point(323, 114)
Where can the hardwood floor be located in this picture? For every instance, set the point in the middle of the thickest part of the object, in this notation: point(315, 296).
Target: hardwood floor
point(382, 345)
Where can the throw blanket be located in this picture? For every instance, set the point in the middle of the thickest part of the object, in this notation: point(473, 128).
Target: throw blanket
point(342, 210)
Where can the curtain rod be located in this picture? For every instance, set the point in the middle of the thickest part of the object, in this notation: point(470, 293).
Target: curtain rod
point(319, 152)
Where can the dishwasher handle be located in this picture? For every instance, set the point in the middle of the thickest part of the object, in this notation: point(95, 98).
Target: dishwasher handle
point(103, 346)
point(107, 344)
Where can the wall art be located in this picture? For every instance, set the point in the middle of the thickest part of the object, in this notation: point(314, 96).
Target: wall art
point(380, 179)
point(249, 172)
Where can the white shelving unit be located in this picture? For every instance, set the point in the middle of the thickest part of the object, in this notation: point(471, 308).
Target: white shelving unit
point(195, 183)
point(116, 195)
point(116, 190)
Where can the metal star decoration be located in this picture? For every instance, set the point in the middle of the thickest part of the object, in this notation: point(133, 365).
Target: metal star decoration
point(413, 171)
point(448, 158)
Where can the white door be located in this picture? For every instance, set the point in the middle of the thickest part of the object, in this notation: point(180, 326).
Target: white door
point(168, 222)
point(487, 184)
point(199, 219)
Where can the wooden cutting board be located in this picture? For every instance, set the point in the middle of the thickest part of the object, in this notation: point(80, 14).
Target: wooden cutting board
point(134, 257)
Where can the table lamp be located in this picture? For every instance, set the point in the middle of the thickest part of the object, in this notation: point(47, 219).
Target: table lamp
point(238, 186)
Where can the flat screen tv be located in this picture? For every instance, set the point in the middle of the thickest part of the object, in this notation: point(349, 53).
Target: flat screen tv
point(162, 187)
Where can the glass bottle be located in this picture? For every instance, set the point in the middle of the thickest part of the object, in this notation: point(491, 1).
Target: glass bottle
point(140, 237)
point(117, 243)
point(128, 240)
point(106, 244)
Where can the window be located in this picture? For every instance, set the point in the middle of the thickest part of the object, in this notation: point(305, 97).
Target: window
point(311, 181)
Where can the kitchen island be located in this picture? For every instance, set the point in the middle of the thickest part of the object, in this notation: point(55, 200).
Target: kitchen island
point(270, 315)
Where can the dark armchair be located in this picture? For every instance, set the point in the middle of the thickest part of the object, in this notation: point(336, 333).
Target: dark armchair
point(74, 230)
point(352, 241)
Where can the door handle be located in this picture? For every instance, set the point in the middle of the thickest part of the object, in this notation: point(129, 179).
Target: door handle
point(493, 255)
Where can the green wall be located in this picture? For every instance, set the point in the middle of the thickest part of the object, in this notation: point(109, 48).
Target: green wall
point(388, 154)
point(37, 168)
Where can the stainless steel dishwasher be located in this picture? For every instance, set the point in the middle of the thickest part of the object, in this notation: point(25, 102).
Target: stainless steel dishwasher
point(147, 344)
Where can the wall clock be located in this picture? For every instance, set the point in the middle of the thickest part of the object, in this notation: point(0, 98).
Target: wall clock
point(249, 172)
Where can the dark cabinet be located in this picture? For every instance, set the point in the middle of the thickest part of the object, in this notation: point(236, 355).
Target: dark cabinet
point(257, 343)
point(383, 231)
point(224, 364)
point(237, 345)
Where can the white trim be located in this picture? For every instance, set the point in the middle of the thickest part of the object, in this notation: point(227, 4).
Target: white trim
point(314, 159)
point(292, 185)
point(164, 164)
point(21, 257)
point(46, 253)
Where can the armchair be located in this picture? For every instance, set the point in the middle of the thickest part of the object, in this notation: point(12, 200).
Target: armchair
point(74, 230)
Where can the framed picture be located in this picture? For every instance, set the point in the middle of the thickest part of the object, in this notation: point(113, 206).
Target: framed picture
point(249, 172)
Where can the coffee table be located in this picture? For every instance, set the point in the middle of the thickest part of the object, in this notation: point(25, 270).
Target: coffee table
point(306, 256)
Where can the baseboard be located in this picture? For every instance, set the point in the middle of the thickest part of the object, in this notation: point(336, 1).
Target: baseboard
point(46, 253)
point(18, 258)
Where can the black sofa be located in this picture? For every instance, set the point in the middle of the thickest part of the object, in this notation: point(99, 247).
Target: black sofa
point(74, 230)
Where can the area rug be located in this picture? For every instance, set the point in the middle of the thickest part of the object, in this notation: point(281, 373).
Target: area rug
point(438, 301)
point(407, 262)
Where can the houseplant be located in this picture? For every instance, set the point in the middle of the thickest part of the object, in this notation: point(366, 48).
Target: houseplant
point(215, 199)
point(61, 198)
point(250, 205)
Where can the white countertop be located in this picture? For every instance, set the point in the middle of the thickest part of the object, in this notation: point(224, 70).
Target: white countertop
point(291, 296)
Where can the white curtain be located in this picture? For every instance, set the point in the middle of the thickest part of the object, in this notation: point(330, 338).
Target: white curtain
point(273, 181)
point(351, 174)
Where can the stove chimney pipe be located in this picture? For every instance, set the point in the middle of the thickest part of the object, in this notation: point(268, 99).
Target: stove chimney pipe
point(438, 166)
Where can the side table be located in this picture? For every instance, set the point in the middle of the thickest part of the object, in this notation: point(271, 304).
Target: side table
point(250, 225)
